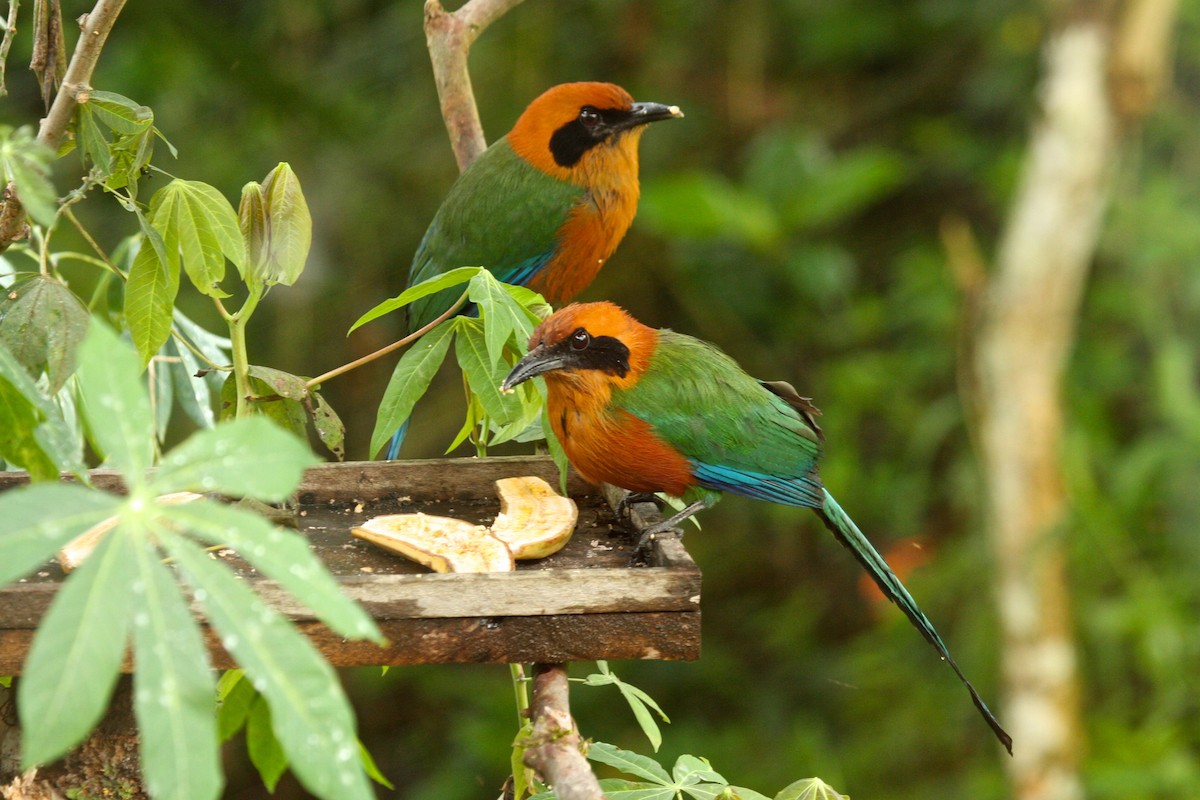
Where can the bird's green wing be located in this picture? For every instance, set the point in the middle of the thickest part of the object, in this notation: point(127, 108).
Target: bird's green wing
point(501, 213)
point(738, 435)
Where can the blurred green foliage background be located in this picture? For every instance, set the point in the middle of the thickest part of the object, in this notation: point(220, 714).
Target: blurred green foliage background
point(792, 218)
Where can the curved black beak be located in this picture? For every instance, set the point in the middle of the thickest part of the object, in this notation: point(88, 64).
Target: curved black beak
point(536, 362)
point(645, 113)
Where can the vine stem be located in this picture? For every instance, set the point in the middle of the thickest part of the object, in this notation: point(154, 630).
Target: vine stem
point(383, 351)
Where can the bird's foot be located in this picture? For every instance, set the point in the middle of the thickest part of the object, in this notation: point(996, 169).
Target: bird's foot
point(633, 498)
point(650, 534)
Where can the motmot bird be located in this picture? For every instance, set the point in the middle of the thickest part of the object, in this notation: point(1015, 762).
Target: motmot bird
point(657, 411)
point(545, 206)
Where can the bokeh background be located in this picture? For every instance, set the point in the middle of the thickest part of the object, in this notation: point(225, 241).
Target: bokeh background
point(793, 218)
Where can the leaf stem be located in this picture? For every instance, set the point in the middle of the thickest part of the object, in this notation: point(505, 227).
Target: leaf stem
point(237, 335)
point(383, 351)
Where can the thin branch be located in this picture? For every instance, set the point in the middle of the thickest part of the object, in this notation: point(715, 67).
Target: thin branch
point(74, 88)
point(554, 747)
point(76, 83)
point(10, 30)
point(396, 345)
point(449, 36)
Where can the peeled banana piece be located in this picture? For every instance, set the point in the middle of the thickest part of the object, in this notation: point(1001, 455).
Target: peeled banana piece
point(534, 522)
point(443, 544)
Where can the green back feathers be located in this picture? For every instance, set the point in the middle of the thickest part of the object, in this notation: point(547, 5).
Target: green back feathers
point(503, 214)
point(705, 406)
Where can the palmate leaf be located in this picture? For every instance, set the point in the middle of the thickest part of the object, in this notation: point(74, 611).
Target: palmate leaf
point(236, 696)
point(280, 555)
point(173, 688)
point(35, 521)
point(503, 317)
point(42, 323)
point(454, 277)
point(83, 634)
point(195, 219)
point(284, 248)
point(311, 715)
point(409, 381)
point(249, 457)
point(810, 789)
point(116, 405)
point(33, 433)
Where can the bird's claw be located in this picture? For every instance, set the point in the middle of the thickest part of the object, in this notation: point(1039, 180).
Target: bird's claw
point(633, 498)
point(653, 532)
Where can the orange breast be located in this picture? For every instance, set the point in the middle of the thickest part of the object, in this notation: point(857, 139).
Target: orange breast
point(617, 448)
point(609, 174)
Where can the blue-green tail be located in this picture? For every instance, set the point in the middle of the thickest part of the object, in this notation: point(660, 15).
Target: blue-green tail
point(846, 532)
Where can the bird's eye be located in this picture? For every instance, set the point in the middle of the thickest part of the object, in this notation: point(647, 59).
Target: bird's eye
point(589, 116)
point(580, 339)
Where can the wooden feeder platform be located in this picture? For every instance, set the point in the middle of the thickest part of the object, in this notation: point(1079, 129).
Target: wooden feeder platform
point(594, 599)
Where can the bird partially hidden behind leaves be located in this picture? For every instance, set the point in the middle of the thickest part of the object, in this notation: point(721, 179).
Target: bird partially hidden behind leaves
point(546, 205)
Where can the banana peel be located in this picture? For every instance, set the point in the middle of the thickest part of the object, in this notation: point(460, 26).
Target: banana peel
point(534, 522)
point(78, 549)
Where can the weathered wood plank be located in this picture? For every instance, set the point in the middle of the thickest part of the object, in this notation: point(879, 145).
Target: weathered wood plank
point(596, 598)
point(671, 636)
point(434, 596)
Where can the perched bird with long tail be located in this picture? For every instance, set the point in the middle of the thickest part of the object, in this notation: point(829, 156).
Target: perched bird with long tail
point(545, 206)
point(657, 411)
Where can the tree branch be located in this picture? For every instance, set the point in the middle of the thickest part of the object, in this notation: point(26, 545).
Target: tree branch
point(555, 747)
point(449, 36)
point(74, 89)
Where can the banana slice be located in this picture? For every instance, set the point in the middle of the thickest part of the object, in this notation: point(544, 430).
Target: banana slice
point(534, 520)
point(443, 544)
point(79, 548)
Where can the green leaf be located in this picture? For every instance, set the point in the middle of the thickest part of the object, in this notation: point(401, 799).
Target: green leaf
point(249, 457)
point(150, 295)
point(290, 415)
point(193, 394)
point(281, 383)
point(197, 219)
point(742, 793)
point(37, 520)
point(173, 688)
point(26, 162)
point(371, 768)
point(282, 556)
point(628, 762)
point(42, 323)
point(485, 374)
point(503, 318)
point(92, 141)
point(19, 420)
point(409, 381)
point(616, 789)
point(115, 403)
point(289, 228)
point(34, 433)
point(122, 115)
point(642, 714)
point(690, 769)
point(266, 753)
point(556, 453)
point(235, 695)
point(162, 389)
point(809, 789)
point(330, 429)
point(255, 227)
point(311, 715)
point(83, 633)
point(435, 284)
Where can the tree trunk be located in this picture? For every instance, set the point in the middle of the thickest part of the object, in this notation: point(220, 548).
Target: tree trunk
point(1030, 311)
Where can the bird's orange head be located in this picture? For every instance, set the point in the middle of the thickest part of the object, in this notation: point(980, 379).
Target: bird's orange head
point(594, 343)
point(581, 132)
